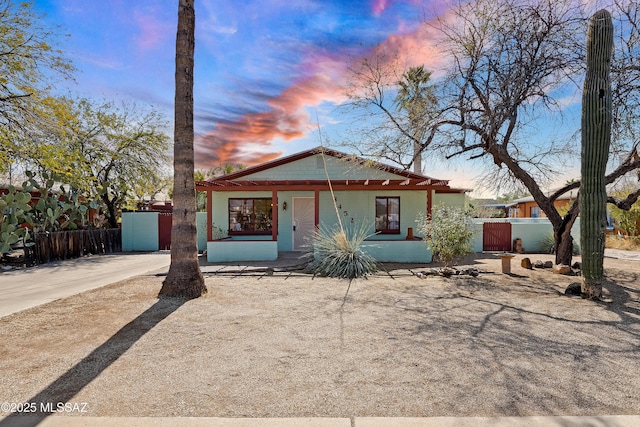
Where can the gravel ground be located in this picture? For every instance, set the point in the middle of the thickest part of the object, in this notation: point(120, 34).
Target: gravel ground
point(268, 344)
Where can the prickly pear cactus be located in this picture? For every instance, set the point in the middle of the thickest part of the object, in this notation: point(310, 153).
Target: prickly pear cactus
point(596, 139)
point(14, 210)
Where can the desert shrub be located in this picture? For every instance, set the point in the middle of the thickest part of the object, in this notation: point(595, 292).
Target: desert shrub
point(448, 233)
point(622, 242)
point(337, 252)
point(626, 220)
point(548, 243)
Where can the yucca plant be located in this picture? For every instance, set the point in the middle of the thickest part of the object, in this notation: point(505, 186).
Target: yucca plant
point(337, 252)
point(548, 245)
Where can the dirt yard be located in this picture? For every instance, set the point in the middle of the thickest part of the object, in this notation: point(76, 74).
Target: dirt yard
point(282, 344)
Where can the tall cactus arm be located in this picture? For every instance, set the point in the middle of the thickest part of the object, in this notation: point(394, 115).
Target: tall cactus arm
point(596, 139)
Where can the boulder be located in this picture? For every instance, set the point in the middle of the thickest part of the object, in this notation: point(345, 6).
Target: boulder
point(538, 264)
point(473, 272)
point(577, 265)
point(561, 269)
point(526, 263)
point(548, 264)
point(574, 288)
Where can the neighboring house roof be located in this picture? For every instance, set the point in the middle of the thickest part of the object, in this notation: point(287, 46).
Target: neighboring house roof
point(499, 205)
point(369, 174)
point(566, 196)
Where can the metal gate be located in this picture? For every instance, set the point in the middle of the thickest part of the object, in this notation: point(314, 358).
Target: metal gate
point(496, 236)
point(164, 230)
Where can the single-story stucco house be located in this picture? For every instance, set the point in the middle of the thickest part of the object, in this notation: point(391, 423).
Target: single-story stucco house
point(276, 206)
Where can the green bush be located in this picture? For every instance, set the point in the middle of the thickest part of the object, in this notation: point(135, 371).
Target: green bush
point(218, 233)
point(337, 252)
point(448, 233)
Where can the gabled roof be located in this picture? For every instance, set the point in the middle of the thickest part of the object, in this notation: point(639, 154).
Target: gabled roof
point(328, 152)
point(404, 180)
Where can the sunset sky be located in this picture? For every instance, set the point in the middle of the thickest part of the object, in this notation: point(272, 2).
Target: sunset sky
point(267, 71)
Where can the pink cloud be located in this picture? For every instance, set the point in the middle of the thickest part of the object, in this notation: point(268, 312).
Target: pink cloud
point(152, 31)
point(285, 120)
point(379, 6)
point(327, 75)
point(415, 48)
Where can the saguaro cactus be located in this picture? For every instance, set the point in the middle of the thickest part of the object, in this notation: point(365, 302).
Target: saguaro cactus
point(596, 138)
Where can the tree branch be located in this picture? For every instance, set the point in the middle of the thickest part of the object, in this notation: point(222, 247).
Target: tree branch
point(626, 203)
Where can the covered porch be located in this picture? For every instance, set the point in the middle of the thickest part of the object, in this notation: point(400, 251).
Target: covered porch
point(296, 208)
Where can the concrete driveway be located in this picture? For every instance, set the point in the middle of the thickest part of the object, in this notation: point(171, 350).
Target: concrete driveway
point(25, 288)
point(30, 287)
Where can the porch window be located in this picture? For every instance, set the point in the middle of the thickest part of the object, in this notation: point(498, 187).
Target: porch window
point(388, 215)
point(250, 216)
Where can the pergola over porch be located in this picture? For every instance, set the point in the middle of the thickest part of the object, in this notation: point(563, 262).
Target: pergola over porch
point(428, 185)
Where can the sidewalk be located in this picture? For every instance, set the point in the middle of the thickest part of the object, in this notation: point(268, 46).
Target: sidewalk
point(620, 254)
point(30, 287)
point(563, 421)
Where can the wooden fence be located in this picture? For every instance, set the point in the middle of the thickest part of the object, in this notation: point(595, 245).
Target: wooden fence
point(58, 245)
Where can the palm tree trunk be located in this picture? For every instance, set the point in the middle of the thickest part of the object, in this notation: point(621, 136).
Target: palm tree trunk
point(184, 279)
point(417, 157)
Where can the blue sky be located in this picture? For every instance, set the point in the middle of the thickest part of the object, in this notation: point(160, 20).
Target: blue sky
point(265, 69)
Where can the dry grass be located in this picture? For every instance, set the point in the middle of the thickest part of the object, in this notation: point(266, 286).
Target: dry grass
point(626, 243)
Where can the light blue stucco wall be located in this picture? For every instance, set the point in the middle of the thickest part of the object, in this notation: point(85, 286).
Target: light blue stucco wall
point(201, 225)
point(399, 251)
point(140, 231)
point(358, 206)
point(532, 231)
point(355, 207)
point(457, 200)
point(236, 250)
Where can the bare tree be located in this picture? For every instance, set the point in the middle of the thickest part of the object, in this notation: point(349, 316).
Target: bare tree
point(184, 279)
point(398, 107)
point(512, 61)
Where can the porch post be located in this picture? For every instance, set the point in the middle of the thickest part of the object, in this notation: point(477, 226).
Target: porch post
point(429, 202)
point(209, 215)
point(274, 215)
point(316, 202)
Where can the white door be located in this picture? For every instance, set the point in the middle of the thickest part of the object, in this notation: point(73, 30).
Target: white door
point(303, 222)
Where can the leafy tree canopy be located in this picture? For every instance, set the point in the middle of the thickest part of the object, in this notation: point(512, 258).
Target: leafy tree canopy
point(114, 152)
point(30, 64)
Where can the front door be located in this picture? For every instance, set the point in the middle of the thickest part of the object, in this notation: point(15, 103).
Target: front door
point(303, 222)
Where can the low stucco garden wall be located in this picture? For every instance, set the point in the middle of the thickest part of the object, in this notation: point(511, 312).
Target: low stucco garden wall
point(533, 232)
